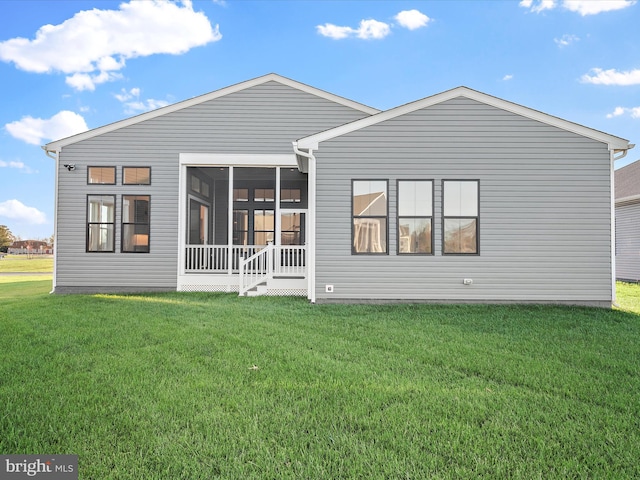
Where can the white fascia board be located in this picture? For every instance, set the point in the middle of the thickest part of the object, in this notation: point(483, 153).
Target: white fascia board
point(235, 159)
point(614, 143)
point(631, 198)
point(271, 77)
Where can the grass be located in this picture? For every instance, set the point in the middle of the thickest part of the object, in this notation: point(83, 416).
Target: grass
point(215, 386)
point(26, 263)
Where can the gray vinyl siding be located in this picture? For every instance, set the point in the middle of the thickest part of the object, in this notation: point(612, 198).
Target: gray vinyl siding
point(628, 241)
point(545, 214)
point(264, 119)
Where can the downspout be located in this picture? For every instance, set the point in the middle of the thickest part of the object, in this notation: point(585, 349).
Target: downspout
point(55, 156)
point(612, 155)
point(311, 243)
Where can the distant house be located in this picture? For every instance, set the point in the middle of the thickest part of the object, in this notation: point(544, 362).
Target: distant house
point(274, 187)
point(35, 247)
point(627, 181)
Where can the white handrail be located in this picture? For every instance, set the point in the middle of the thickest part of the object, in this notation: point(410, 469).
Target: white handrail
point(256, 269)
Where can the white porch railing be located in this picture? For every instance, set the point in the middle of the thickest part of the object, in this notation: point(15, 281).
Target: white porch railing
point(253, 264)
point(216, 259)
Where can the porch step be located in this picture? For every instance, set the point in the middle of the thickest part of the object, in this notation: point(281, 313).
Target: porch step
point(257, 290)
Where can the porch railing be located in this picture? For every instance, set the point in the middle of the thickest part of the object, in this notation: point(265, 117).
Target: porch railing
point(288, 260)
point(215, 258)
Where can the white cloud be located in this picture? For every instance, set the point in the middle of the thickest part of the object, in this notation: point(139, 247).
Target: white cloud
point(17, 165)
point(619, 111)
point(583, 7)
point(373, 29)
point(566, 40)
point(508, 77)
point(612, 77)
point(85, 81)
point(93, 45)
point(368, 29)
point(412, 19)
point(16, 210)
point(133, 104)
point(538, 6)
point(333, 31)
point(593, 7)
point(35, 130)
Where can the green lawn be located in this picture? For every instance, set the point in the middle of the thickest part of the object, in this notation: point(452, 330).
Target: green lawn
point(26, 263)
point(191, 386)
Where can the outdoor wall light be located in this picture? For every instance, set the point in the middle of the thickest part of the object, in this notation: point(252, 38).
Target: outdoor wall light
point(70, 166)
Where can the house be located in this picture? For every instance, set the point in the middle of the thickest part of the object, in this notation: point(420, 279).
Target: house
point(627, 182)
point(274, 187)
point(32, 247)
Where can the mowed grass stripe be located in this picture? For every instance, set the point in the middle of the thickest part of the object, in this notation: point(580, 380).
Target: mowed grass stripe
point(215, 386)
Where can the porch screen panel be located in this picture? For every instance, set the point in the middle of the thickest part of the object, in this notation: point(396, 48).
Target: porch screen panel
point(241, 227)
point(264, 226)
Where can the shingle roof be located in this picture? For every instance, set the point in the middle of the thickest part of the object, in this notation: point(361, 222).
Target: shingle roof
point(627, 180)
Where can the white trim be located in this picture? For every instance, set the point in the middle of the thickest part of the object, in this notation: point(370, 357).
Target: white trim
point(55, 223)
point(277, 220)
point(271, 77)
point(613, 227)
point(182, 220)
point(238, 159)
point(311, 235)
point(230, 186)
point(614, 143)
point(630, 198)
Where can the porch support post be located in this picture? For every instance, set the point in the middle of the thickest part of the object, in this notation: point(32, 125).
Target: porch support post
point(230, 228)
point(278, 226)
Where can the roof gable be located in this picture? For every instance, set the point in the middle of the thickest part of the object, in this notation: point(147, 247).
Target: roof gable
point(271, 77)
point(615, 143)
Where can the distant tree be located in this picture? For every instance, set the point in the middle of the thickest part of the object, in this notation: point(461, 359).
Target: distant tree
point(6, 238)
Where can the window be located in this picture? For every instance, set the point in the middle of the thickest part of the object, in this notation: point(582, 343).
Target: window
point(135, 223)
point(292, 228)
point(415, 217)
point(198, 223)
point(136, 175)
point(195, 184)
point(101, 175)
point(369, 210)
point(264, 195)
point(240, 194)
point(263, 226)
point(240, 227)
point(100, 223)
point(460, 216)
point(290, 195)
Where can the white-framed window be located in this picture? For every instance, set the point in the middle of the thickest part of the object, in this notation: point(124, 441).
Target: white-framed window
point(461, 216)
point(101, 215)
point(370, 213)
point(135, 223)
point(415, 217)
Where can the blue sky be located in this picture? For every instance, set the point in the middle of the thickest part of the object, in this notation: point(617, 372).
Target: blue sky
point(68, 66)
